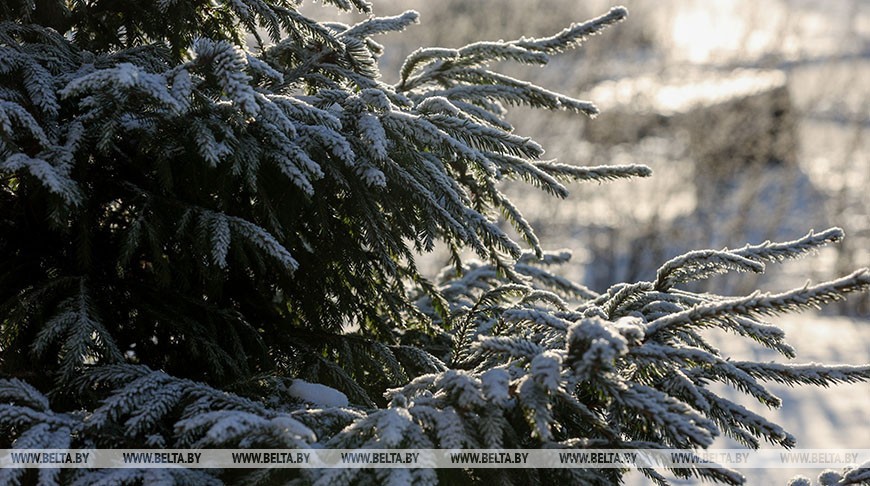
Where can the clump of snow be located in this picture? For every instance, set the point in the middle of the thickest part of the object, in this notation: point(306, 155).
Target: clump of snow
point(546, 367)
point(800, 481)
point(495, 383)
point(830, 477)
point(317, 394)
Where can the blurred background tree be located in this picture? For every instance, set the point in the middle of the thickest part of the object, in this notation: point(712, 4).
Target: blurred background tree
point(755, 116)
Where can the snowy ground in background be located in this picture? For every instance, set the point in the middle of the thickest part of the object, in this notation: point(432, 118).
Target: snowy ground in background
point(837, 417)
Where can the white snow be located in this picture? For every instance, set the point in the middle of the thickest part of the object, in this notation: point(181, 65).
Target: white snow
point(495, 383)
point(317, 394)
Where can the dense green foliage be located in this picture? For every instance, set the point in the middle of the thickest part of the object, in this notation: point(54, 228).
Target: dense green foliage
point(190, 225)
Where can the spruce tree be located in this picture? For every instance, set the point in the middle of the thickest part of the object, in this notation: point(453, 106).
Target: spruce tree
point(211, 242)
